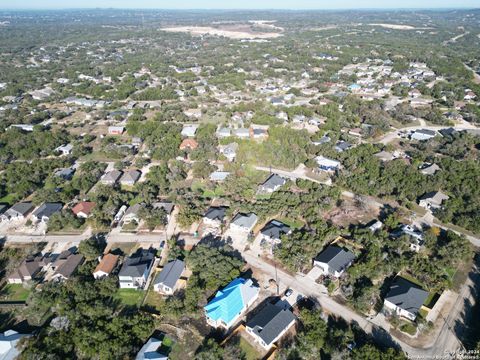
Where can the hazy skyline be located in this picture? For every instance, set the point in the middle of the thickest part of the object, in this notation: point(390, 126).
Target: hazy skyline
point(244, 4)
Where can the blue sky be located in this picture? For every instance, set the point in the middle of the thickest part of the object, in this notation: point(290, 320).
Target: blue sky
point(236, 4)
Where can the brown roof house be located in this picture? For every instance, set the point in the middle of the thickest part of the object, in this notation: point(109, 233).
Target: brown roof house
point(27, 270)
point(105, 266)
point(83, 209)
point(190, 144)
point(65, 265)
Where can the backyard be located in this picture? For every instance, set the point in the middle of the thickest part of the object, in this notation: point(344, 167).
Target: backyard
point(14, 292)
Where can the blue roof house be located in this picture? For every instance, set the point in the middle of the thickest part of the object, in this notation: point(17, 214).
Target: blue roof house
point(230, 303)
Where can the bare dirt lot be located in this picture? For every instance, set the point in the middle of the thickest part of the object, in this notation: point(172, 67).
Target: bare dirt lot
point(237, 31)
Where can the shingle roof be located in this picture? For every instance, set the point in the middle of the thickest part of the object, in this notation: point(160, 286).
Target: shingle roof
point(47, 209)
point(136, 264)
point(84, 207)
point(67, 268)
point(406, 295)
point(131, 176)
point(112, 175)
point(21, 208)
point(245, 220)
point(167, 206)
point(170, 273)
point(270, 322)
point(107, 264)
point(216, 213)
point(275, 229)
point(336, 257)
point(273, 181)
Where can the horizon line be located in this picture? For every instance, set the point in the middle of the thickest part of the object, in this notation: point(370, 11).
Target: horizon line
point(238, 9)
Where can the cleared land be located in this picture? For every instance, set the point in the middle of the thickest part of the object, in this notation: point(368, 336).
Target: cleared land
point(233, 32)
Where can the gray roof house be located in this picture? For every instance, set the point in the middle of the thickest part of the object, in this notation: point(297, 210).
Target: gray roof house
point(274, 230)
point(65, 173)
point(243, 222)
point(17, 211)
point(270, 324)
point(433, 200)
point(405, 298)
point(215, 215)
point(44, 211)
point(423, 134)
point(167, 279)
point(342, 146)
point(273, 183)
point(132, 213)
point(130, 177)
point(429, 169)
point(27, 270)
point(136, 269)
point(165, 205)
point(68, 267)
point(334, 260)
point(111, 177)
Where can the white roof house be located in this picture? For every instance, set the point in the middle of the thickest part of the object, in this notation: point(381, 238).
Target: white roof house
point(8, 344)
point(150, 351)
point(189, 130)
point(327, 164)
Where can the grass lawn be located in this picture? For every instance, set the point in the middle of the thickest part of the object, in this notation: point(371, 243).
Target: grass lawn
point(8, 199)
point(154, 299)
point(14, 292)
point(126, 248)
point(249, 350)
point(408, 328)
point(293, 223)
point(130, 297)
point(431, 300)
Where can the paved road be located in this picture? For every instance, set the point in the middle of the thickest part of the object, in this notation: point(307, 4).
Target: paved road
point(444, 341)
point(392, 135)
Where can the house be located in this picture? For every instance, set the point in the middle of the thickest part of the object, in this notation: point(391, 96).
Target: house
point(270, 324)
point(229, 151)
point(242, 133)
point(105, 266)
point(223, 132)
point(83, 209)
point(334, 260)
point(432, 200)
point(132, 214)
point(423, 134)
point(214, 216)
point(137, 141)
point(27, 270)
point(136, 269)
point(415, 236)
point(342, 146)
point(111, 177)
point(166, 281)
point(45, 211)
point(116, 130)
point(8, 344)
point(258, 133)
point(66, 265)
point(165, 205)
point(375, 225)
point(65, 173)
point(150, 351)
point(189, 130)
point(273, 183)
point(219, 176)
point(326, 164)
point(243, 222)
point(188, 144)
point(429, 169)
point(65, 149)
point(273, 231)
point(129, 178)
point(17, 212)
point(405, 298)
point(384, 156)
point(228, 305)
point(448, 132)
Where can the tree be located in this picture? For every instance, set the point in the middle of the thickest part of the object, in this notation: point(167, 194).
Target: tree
point(92, 247)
